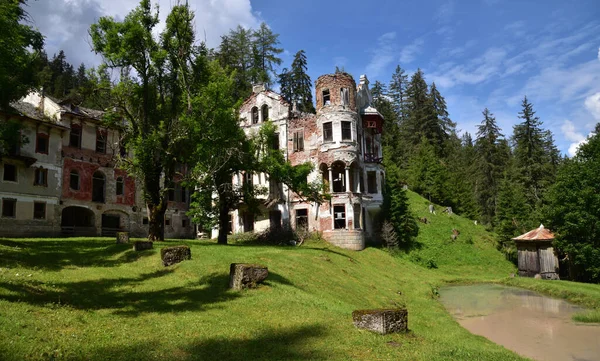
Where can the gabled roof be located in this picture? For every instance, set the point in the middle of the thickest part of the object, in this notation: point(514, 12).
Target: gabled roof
point(538, 234)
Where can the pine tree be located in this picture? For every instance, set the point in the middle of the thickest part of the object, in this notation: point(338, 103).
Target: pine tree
point(398, 92)
point(427, 175)
point(492, 154)
point(530, 152)
point(396, 211)
point(295, 84)
point(440, 125)
point(265, 44)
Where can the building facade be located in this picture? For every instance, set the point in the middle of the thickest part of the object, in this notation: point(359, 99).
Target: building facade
point(64, 181)
point(343, 143)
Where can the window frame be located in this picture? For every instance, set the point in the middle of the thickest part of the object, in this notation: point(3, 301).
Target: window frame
point(15, 173)
point(74, 172)
point(44, 210)
point(301, 220)
point(327, 132)
point(298, 140)
point(372, 186)
point(348, 130)
point(14, 207)
point(262, 109)
point(46, 138)
point(326, 97)
point(345, 96)
point(337, 221)
point(254, 119)
point(76, 129)
point(36, 173)
point(120, 183)
point(101, 136)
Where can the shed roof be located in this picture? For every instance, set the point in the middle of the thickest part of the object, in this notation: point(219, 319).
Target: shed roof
point(538, 234)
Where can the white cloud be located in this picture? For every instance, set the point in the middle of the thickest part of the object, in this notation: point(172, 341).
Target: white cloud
point(382, 55)
point(410, 52)
point(592, 104)
point(599, 53)
point(65, 23)
point(476, 71)
point(445, 12)
point(571, 134)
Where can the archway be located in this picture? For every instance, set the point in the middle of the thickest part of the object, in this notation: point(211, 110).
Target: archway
point(78, 221)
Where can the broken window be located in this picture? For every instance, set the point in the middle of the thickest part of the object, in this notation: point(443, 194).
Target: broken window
point(98, 187)
point(255, 115)
point(338, 175)
point(248, 222)
point(346, 130)
point(339, 216)
point(10, 173)
point(171, 195)
point(145, 220)
point(120, 186)
point(326, 97)
point(75, 136)
point(345, 96)
point(40, 177)
point(299, 140)
point(265, 113)
point(357, 216)
point(182, 195)
point(327, 132)
point(9, 207)
point(101, 141)
point(248, 179)
point(41, 143)
point(372, 182)
point(184, 223)
point(167, 222)
point(302, 218)
point(276, 141)
point(39, 210)
point(74, 180)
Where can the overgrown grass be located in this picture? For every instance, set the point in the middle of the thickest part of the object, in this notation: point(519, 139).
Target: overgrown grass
point(89, 298)
point(592, 316)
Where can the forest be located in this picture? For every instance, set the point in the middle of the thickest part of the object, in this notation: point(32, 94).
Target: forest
point(176, 98)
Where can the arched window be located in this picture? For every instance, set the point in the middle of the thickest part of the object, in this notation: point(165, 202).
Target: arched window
point(120, 186)
point(74, 180)
point(255, 115)
point(265, 113)
point(98, 187)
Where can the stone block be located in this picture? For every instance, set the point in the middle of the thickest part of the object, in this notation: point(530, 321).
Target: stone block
point(244, 275)
point(382, 321)
point(175, 254)
point(122, 237)
point(142, 245)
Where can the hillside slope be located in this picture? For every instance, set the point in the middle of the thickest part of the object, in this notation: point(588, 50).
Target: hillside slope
point(92, 299)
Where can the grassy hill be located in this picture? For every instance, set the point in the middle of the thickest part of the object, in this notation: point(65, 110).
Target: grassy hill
point(91, 299)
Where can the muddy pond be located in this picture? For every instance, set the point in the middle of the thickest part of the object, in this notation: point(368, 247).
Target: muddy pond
point(526, 322)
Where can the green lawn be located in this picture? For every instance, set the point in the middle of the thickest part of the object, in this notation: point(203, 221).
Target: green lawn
point(92, 299)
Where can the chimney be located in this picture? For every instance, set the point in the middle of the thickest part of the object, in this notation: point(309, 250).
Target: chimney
point(257, 88)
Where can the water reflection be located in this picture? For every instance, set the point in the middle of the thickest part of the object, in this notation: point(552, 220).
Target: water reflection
point(524, 321)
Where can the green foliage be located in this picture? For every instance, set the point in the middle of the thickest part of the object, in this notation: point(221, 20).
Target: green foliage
point(398, 92)
point(427, 175)
point(592, 316)
point(21, 45)
point(572, 211)
point(296, 86)
point(395, 210)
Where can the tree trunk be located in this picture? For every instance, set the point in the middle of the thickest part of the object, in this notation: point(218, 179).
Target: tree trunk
point(223, 221)
point(156, 222)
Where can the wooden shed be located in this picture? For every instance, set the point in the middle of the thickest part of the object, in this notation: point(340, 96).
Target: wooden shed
point(536, 255)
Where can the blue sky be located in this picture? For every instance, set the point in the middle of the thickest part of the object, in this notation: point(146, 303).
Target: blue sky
point(480, 53)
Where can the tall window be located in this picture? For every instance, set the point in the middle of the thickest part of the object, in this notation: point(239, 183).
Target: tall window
point(346, 130)
point(326, 97)
point(98, 187)
point(39, 210)
point(302, 218)
point(339, 216)
point(120, 186)
point(74, 180)
point(10, 173)
point(276, 141)
point(345, 96)
point(357, 216)
point(101, 141)
point(41, 143)
point(75, 136)
point(265, 113)
point(40, 177)
point(372, 182)
point(255, 115)
point(327, 132)
point(9, 207)
point(298, 140)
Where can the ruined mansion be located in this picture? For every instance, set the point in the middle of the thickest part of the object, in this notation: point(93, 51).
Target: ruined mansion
point(64, 180)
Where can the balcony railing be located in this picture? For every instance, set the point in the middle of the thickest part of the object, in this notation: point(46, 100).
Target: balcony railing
point(372, 158)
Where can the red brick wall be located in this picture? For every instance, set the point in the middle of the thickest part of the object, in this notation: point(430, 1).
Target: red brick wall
point(334, 82)
point(85, 170)
point(129, 195)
